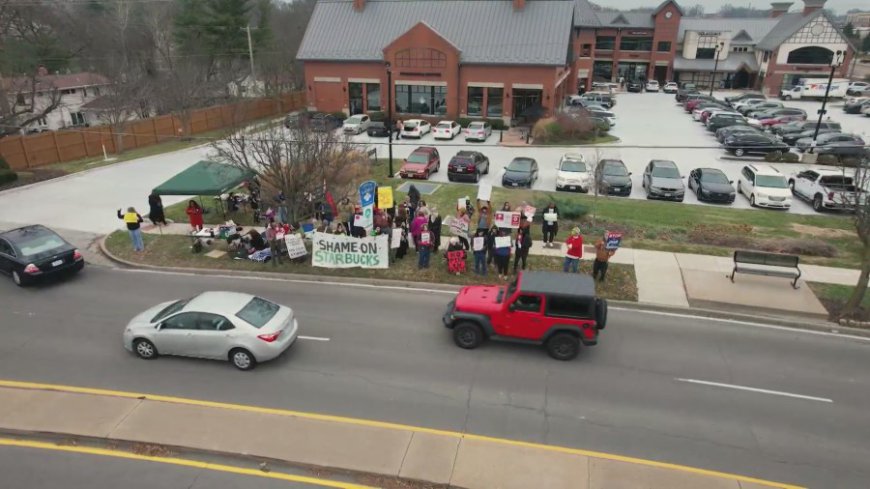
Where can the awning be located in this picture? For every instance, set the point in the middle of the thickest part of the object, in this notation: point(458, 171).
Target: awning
point(733, 63)
point(205, 178)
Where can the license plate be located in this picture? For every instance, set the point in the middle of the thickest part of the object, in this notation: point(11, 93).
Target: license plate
point(572, 187)
point(515, 184)
point(459, 170)
point(57, 263)
point(617, 189)
point(668, 195)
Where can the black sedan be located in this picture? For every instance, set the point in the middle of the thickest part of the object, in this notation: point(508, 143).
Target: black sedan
point(634, 86)
point(521, 172)
point(747, 143)
point(791, 138)
point(378, 130)
point(615, 178)
point(32, 253)
point(711, 185)
point(723, 133)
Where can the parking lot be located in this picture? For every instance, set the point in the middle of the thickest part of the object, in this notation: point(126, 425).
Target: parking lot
point(650, 126)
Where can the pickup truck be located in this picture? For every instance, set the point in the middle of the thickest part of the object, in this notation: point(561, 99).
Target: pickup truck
point(827, 188)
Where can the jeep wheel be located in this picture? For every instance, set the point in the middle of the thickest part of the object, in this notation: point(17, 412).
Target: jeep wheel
point(817, 203)
point(563, 346)
point(467, 335)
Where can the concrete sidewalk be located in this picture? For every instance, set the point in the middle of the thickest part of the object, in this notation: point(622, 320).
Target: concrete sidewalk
point(442, 457)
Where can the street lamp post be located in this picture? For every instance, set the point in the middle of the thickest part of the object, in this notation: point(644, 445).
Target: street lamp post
point(719, 47)
point(836, 61)
point(390, 115)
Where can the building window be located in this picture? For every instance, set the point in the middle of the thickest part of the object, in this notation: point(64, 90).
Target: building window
point(811, 55)
point(403, 98)
point(78, 119)
point(43, 121)
point(494, 98)
point(586, 51)
point(663, 46)
point(605, 42)
point(421, 99)
point(602, 70)
point(636, 44)
point(421, 58)
point(373, 96)
point(96, 91)
point(355, 98)
point(766, 57)
point(475, 101)
point(705, 53)
point(84, 92)
point(68, 91)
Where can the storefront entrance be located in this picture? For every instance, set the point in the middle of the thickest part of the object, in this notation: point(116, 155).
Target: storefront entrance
point(526, 101)
point(632, 71)
point(661, 74)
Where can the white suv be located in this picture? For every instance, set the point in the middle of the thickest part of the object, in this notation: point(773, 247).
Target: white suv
point(574, 173)
point(764, 186)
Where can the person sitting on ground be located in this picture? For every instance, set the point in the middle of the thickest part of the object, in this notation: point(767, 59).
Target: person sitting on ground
point(256, 242)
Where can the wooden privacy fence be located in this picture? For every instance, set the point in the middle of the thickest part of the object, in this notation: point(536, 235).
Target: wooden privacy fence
point(22, 152)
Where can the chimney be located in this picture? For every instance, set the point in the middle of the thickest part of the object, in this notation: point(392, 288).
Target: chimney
point(811, 6)
point(41, 71)
point(359, 5)
point(779, 8)
point(519, 5)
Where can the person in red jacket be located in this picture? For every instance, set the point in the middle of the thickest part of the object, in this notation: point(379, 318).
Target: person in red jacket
point(194, 213)
point(574, 251)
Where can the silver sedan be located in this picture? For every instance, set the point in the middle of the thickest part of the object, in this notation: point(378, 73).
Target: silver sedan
point(241, 328)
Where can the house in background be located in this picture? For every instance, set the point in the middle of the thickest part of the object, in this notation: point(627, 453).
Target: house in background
point(73, 90)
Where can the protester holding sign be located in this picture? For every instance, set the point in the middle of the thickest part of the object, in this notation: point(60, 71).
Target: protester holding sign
point(417, 226)
point(484, 219)
point(551, 224)
point(523, 245)
point(502, 254)
point(574, 251)
point(490, 244)
point(464, 222)
point(424, 247)
point(478, 244)
point(401, 246)
point(602, 257)
point(455, 256)
point(272, 233)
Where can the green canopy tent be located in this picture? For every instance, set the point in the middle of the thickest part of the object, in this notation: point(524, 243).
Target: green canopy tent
point(205, 178)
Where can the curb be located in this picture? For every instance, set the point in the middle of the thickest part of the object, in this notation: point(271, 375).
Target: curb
point(782, 321)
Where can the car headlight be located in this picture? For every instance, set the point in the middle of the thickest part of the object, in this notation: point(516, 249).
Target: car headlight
point(761, 195)
point(655, 189)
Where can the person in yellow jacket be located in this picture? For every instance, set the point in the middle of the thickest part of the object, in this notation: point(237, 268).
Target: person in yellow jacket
point(133, 221)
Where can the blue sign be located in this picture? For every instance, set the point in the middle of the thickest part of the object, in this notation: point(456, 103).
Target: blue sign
point(367, 193)
point(612, 240)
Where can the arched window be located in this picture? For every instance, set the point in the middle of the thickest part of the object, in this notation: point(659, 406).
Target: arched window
point(421, 58)
point(811, 55)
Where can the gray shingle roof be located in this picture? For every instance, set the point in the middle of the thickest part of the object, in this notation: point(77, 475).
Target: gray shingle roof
point(732, 63)
point(787, 26)
point(485, 31)
point(635, 19)
point(584, 14)
point(755, 28)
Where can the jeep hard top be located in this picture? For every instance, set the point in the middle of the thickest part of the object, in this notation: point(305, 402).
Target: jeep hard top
point(557, 310)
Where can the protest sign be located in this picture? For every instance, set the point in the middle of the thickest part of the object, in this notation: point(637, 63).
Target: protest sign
point(338, 251)
point(367, 192)
point(529, 211)
point(504, 219)
point(364, 220)
point(461, 203)
point(551, 217)
point(479, 243)
point(425, 238)
point(456, 261)
point(484, 191)
point(502, 241)
point(457, 226)
point(295, 246)
point(396, 238)
point(385, 197)
point(612, 240)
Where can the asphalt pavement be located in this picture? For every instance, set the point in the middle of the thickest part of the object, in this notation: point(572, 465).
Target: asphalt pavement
point(666, 388)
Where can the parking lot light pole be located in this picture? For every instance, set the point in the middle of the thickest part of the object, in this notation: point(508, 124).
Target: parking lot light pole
point(719, 47)
point(390, 115)
point(836, 61)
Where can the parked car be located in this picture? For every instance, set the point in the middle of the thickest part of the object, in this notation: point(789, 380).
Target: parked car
point(467, 165)
point(764, 186)
point(778, 116)
point(662, 180)
point(229, 326)
point(856, 106)
point(711, 185)
point(378, 129)
point(826, 139)
point(520, 172)
point(700, 109)
point(760, 107)
point(742, 144)
point(34, 253)
point(478, 131)
point(724, 119)
point(421, 163)
point(652, 86)
point(324, 122)
point(296, 120)
point(446, 130)
point(607, 100)
point(573, 173)
point(558, 310)
point(607, 115)
point(415, 128)
point(670, 87)
point(866, 111)
point(841, 149)
point(711, 111)
point(801, 126)
point(635, 86)
point(685, 90)
point(693, 101)
point(827, 188)
point(747, 103)
point(744, 96)
point(356, 124)
point(792, 138)
point(615, 178)
point(724, 132)
point(858, 87)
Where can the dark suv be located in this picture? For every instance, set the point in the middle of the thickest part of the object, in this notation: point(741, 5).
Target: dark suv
point(803, 126)
point(467, 165)
point(558, 310)
point(615, 178)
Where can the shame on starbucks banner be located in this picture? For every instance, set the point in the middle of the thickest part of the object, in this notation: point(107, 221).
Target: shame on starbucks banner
point(340, 251)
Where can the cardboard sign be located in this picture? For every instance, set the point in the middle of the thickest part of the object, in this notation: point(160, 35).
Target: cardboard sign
point(338, 251)
point(295, 246)
point(479, 243)
point(484, 191)
point(458, 227)
point(612, 240)
point(364, 220)
point(425, 238)
point(503, 219)
point(461, 203)
point(396, 238)
point(502, 241)
point(385, 197)
point(456, 261)
point(551, 217)
point(529, 211)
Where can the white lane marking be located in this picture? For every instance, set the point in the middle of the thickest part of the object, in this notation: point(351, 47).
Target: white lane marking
point(312, 338)
point(744, 323)
point(755, 389)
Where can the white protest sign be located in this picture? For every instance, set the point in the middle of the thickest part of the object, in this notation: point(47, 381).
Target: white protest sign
point(529, 211)
point(484, 191)
point(338, 251)
point(502, 241)
point(396, 238)
point(503, 219)
point(551, 217)
point(425, 238)
point(478, 243)
point(458, 227)
point(461, 203)
point(295, 246)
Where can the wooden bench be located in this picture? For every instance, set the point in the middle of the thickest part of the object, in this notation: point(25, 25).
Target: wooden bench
point(770, 264)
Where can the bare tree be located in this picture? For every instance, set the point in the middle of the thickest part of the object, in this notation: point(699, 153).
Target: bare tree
point(25, 100)
point(599, 183)
point(299, 163)
point(859, 202)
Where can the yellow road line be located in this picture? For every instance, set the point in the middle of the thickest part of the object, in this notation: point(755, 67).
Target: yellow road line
point(181, 462)
point(391, 426)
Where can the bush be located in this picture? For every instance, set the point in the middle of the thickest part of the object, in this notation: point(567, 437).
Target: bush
point(339, 114)
point(826, 159)
point(3, 164)
point(497, 124)
point(801, 246)
point(727, 235)
point(790, 158)
point(377, 116)
point(7, 176)
point(568, 209)
point(773, 157)
point(464, 122)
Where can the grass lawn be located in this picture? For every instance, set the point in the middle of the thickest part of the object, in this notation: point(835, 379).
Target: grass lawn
point(834, 297)
point(174, 251)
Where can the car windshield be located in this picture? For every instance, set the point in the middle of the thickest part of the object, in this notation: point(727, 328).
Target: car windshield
point(258, 312)
point(462, 160)
point(36, 244)
point(770, 181)
point(475, 125)
point(665, 172)
point(170, 309)
point(615, 170)
point(520, 165)
point(573, 166)
point(839, 181)
point(418, 158)
point(410, 126)
point(714, 177)
point(443, 125)
point(354, 120)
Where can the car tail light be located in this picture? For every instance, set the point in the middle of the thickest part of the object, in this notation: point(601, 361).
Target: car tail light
point(31, 268)
point(269, 338)
point(77, 255)
point(471, 167)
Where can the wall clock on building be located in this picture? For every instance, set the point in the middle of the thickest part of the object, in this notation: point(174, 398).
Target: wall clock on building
point(668, 15)
point(817, 30)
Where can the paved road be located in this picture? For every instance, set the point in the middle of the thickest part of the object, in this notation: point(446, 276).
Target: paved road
point(389, 358)
point(35, 468)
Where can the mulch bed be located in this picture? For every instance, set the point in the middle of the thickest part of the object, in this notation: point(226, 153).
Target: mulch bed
point(33, 175)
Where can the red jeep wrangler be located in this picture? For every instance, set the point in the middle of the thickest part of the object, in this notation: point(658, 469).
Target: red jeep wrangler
point(558, 310)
